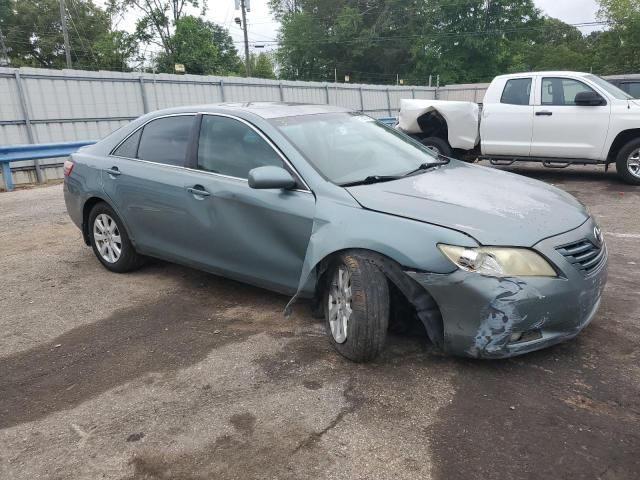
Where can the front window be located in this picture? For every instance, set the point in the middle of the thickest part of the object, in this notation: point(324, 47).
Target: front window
point(349, 147)
point(562, 91)
point(229, 147)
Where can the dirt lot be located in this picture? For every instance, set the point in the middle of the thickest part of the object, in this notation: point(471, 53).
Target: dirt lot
point(169, 373)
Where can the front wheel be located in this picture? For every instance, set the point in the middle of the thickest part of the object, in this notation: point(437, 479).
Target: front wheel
point(628, 162)
point(356, 304)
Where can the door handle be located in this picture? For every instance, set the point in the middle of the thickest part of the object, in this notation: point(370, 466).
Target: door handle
point(544, 114)
point(113, 171)
point(199, 191)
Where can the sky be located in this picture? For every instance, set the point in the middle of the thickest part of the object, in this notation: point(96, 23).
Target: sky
point(262, 26)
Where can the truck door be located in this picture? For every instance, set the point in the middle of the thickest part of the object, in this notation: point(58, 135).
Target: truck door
point(562, 129)
point(507, 121)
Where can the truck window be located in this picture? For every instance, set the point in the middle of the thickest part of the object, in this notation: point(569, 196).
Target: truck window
point(562, 91)
point(517, 92)
point(632, 88)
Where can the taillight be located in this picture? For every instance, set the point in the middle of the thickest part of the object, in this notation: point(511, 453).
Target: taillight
point(68, 167)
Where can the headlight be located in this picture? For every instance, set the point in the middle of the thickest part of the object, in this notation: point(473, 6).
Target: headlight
point(499, 261)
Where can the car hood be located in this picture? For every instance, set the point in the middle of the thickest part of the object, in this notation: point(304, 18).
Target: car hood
point(492, 206)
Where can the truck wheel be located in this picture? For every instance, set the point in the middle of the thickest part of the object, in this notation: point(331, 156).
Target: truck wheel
point(628, 162)
point(438, 145)
point(356, 308)
point(110, 242)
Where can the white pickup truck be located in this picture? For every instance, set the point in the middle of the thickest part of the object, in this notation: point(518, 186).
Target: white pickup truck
point(555, 118)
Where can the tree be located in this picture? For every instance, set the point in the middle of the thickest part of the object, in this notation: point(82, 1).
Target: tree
point(366, 40)
point(158, 18)
point(262, 66)
point(459, 40)
point(202, 47)
point(33, 33)
point(553, 46)
point(617, 50)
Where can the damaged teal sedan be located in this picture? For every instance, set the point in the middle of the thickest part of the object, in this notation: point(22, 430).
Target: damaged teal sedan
point(325, 203)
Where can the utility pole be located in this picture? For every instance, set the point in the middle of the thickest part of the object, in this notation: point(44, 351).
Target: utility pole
point(5, 54)
point(246, 38)
point(65, 33)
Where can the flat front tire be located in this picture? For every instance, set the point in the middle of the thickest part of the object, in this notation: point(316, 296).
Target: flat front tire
point(356, 307)
point(628, 162)
point(109, 240)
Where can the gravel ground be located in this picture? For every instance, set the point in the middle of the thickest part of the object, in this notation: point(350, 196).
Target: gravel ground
point(170, 373)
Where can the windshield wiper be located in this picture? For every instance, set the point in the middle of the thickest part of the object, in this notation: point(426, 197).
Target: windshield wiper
point(372, 179)
point(426, 166)
point(387, 178)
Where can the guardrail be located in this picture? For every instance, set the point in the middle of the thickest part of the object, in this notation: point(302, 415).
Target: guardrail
point(15, 153)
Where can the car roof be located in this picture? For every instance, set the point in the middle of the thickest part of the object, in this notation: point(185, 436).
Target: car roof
point(263, 109)
point(549, 73)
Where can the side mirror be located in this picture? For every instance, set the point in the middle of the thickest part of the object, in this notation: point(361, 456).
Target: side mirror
point(262, 178)
point(589, 99)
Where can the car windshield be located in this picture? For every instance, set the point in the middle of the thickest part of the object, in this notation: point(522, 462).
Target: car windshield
point(609, 87)
point(351, 147)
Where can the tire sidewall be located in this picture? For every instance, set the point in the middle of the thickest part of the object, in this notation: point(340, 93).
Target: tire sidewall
point(369, 321)
point(622, 167)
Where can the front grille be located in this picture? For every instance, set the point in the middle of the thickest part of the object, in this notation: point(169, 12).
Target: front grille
point(584, 255)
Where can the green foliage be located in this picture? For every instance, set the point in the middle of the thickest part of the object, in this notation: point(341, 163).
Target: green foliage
point(460, 40)
point(617, 50)
point(262, 66)
point(203, 47)
point(33, 33)
point(157, 18)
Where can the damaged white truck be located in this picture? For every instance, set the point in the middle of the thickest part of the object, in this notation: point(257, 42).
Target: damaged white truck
point(554, 118)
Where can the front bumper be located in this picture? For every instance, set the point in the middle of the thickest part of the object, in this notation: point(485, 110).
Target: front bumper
point(489, 317)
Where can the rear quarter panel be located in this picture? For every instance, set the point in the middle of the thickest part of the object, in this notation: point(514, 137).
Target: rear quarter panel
point(84, 183)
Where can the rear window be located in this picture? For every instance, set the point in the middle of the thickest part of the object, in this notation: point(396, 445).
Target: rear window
point(129, 148)
point(517, 92)
point(166, 140)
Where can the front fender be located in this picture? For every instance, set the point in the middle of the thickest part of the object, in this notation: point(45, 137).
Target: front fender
point(410, 243)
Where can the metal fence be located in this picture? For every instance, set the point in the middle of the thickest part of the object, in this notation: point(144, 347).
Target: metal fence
point(41, 106)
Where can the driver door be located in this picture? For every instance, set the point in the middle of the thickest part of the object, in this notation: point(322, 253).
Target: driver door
point(562, 129)
point(257, 236)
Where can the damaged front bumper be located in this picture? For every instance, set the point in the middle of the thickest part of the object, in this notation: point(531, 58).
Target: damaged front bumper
point(489, 317)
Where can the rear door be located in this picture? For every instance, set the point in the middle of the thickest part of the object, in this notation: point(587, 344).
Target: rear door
point(145, 181)
point(562, 129)
point(506, 125)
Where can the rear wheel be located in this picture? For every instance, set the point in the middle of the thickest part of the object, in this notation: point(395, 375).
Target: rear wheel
point(356, 304)
point(438, 145)
point(628, 162)
point(110, 242)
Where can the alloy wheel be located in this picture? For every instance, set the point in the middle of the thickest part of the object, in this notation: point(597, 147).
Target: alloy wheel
point(633, 163)
point(339, 304)
point(107, 238)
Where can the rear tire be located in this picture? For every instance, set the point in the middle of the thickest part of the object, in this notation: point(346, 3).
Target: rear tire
point(110, 242)
point(356, 308)
point(439, 145)
point(628, 162)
